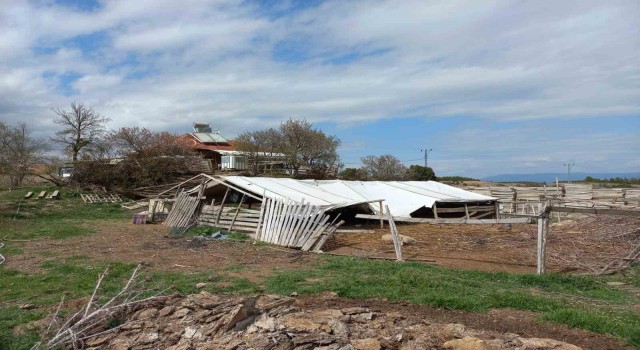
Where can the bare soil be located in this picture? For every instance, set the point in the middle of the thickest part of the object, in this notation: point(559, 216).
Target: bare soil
point(487, 247)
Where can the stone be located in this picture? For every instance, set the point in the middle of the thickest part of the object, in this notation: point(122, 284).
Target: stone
point(96, 341)
point(354, 310)
point(297, 324)
point(366, 344)
point(453, 330)
point(201, 285)
point(544, 344)
point(190, 332)
point(147, 313)
point(119, 344)
point(468, 343)
point(340, 329)
point(181, 313)
point(405, 239)
point(294, 294)
point(148, 338)
point(363, 317)
point(265, 322)
point(166, 311)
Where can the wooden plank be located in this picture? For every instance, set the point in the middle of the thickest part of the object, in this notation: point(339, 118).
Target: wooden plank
point(324, 237)
point(435, 210)
point(297, 229)
point(381, 216)
point(466, 211)
point(450, 221)
point(42, 194)
point(28, 195)
point(262, 209)
point(237, 212)
point(224, 199)
point(596, 211)
point(397, 243)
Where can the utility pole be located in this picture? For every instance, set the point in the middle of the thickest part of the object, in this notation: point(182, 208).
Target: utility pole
point(426, 156)
point(569, 166)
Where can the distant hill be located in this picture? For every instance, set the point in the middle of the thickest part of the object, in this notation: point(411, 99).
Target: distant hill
point(551, 177)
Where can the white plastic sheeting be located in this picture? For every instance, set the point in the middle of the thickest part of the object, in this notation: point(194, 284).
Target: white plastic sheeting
point(402, 197)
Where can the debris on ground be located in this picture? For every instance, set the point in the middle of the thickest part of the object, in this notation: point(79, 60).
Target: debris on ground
point(208, 321)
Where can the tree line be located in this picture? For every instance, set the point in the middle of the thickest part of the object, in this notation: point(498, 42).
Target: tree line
point(133, 157)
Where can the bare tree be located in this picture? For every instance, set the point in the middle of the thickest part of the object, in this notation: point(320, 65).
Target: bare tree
point(82, 128)
point(298, 143)
point(384, 168)
point(19, 153)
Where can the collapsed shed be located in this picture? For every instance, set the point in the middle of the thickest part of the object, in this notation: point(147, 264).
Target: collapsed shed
point(242, 203)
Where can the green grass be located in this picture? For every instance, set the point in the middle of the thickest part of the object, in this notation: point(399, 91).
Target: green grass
point(75, 277)
point(579, 301)
point(61, 218)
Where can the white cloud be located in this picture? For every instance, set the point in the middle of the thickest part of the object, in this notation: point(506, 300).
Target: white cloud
point(165, 64)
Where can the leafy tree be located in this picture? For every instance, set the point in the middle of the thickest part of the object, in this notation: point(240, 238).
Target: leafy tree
point(358, 174)
point(19, 152)
point(421, 173)
point(384, 168)
point(82, 128)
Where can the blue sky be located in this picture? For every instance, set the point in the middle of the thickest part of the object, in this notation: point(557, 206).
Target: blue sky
point(491, 86)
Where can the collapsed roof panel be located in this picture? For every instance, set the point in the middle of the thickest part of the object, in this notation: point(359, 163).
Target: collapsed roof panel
point(402, 197)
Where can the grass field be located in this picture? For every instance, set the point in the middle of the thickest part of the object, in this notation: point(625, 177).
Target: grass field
point(579, 301)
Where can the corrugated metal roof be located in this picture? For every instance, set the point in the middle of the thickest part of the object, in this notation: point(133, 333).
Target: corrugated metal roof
point(403, 197)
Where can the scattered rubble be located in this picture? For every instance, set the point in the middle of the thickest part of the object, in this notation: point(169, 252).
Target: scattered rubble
point(208, 321)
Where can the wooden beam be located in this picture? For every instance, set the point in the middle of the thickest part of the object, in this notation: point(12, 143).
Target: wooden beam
point(466, 211)
point(224, 200)
point(381, 216)
point(435, 209)
point(596, 211)
point(237, 212)
point(450, 221)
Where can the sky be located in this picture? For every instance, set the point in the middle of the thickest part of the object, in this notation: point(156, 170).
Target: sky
point(492, 87)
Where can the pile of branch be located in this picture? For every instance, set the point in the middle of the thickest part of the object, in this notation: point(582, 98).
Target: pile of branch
point(93, 319)
point(598, 244)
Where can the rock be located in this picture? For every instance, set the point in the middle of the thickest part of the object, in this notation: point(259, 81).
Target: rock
point(405, 239)
point(119, 344)
point(363, 317)
point(354, 310)
point(27, 307)
point(190, 332)
point(96, 341)
point(453, 330)
point(147, 313)
point(366, 344)
point(201, 285)
point(181, 313)
point(147, 338)
point(544, 344)
point(293, 294)
point(166, 311)
point(266, 323)
point(468, 343)
point(298, 324)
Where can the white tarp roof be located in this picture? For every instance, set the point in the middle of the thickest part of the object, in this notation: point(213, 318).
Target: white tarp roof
point(402, 197)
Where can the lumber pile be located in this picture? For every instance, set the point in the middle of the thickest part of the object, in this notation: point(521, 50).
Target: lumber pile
point(183, 211)
point(295, 224)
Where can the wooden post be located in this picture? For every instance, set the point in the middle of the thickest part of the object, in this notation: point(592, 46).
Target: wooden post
point(381, 216)
point(466, 211)
point(237, 212)
point(497, 209)
point(395, 237)
point(543, 229)
point(224, 200)
point(261, 217)
point(435, 210)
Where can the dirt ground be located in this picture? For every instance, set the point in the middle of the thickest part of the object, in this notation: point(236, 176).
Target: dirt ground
point(523, 323)
point(486, 247)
